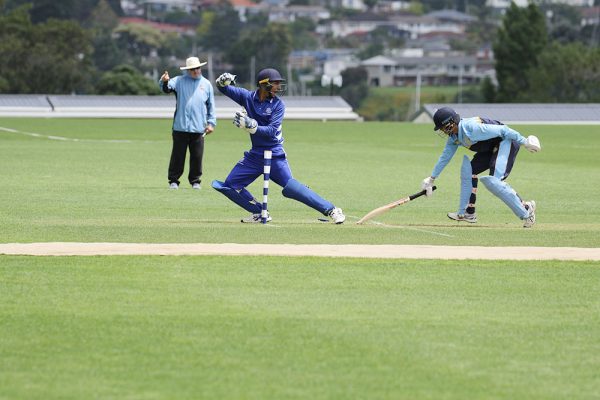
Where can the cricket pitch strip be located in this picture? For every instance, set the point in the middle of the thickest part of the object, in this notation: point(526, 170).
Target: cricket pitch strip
point(302, 250)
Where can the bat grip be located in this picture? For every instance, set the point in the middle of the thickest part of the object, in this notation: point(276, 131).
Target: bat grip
point(421, 193)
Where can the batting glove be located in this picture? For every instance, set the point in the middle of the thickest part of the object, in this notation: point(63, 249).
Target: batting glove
point(533, 144)
point(226, 79)
point(242, 121)
point(427, 185)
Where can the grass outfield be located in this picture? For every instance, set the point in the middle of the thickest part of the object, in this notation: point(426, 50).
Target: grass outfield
point(301, 328)
point(277, 327)
point(108, 183)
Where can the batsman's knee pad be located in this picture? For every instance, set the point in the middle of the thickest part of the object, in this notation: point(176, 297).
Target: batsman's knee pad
point(242, 198)
point(466, 185)
point(504, 192)
point(302, 193)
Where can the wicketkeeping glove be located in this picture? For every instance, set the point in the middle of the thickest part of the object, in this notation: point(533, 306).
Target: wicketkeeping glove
point(533, 144)
point(226, 79)
point(241, 120)
point(427, 185)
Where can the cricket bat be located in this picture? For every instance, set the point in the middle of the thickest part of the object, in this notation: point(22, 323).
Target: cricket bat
point(393, 204)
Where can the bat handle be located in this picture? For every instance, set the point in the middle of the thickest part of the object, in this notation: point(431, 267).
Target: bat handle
point(421, 193)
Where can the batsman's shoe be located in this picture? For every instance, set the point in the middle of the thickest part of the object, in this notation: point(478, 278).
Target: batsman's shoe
point(337, 216)
point(470, 218)
point(255, 219)
point(196, 186)
point(173, 185)
point(530, 220)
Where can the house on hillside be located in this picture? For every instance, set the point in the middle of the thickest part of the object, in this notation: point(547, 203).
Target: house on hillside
point(413, 26)
point(147, 7)
point(504, 4)
point(590, 16)
point(406, 71)
point(291, 13)
point(452, 16)
point(244, 8)
point(358, 5)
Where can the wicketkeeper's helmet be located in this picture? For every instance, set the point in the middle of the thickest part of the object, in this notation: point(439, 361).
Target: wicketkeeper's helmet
point(267, 76)
point(444, 116)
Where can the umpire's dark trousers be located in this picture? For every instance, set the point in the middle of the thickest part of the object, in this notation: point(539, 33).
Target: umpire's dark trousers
point(181, 142)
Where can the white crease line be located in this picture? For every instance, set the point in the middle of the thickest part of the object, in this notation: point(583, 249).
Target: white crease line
point(411, 228)
point(66, 139)
point(403, 227)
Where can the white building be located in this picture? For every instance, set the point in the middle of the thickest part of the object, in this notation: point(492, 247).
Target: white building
point(504, 4)
point(291, 13)
point(406, 71)
point(414, 25)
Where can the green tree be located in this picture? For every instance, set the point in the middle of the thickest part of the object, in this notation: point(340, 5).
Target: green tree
point(432, 5)
point(102, 22)
point(15, 31)
point(42, 10)
point(273, 46)
point(239, 56)
point(484, 30)
point(219, 28)
point(563, 22)
point(371, 50)
point(269, 46)
point(142, 44)
point(370, 3)
point(566, 73)
point(354, 86)
point(138, 39)
point(521, 39)
point(51, 57)
point(302, 34)
point(60, 58)
point(125, 79)
point(416, 8)
point(488, 90)
point(79, 10)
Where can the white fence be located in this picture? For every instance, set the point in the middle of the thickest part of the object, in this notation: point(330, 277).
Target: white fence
point(521, 113)
point(160, 106)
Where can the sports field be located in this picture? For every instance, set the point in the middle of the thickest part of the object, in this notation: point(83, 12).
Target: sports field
point(272, 327)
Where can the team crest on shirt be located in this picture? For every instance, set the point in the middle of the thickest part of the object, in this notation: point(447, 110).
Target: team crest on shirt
point(268, 111)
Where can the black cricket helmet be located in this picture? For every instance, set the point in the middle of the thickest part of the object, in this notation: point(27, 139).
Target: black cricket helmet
point(267, 76)
point(445, 116)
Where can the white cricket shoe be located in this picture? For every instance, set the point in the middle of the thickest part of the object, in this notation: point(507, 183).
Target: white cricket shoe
point(530, 220)
point(173, 185)
point(196, 186)
point(337, 215)
point(470, 218)
point(255, 219)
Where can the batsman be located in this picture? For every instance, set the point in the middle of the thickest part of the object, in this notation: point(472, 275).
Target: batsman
point(496, 147)
point(262, 118)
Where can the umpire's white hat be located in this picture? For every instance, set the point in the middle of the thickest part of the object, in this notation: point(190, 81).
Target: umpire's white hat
point(192, 63)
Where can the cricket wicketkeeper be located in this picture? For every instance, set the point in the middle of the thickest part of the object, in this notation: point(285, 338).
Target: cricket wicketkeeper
point(262, 118)
point(496, 147)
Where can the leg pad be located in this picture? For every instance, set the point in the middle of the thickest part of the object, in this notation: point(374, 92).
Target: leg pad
point(504, 192)
point(466, 185)
point(302, 193)
point(242, 198)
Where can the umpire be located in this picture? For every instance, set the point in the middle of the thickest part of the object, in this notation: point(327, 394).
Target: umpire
point(194, 118)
